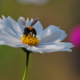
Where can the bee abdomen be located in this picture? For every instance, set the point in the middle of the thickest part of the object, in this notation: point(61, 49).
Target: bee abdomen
point(33, 32)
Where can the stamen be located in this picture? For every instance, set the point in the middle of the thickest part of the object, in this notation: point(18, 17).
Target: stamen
point(30, 40)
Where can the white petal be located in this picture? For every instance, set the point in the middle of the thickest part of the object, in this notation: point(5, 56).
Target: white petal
point(28, 22)
point(10, 41)
point(31, 20)
point(22, 21)
point(5, 27)
point(33, 49)
point(52, 47)
point(11, 25)
point(15, 26)
point(52, 34)
point(20, 24)
point(10, 44)
point(7, 31)
point(38, 28)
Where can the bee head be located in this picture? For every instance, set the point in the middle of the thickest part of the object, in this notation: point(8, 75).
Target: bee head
point(28, 30)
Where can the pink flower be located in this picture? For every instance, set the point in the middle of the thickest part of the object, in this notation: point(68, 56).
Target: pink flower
point(74, 36)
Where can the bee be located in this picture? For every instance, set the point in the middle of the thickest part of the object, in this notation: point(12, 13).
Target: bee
point(30, 29)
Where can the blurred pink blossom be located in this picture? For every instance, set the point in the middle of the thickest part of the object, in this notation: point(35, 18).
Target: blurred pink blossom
point(74, 36)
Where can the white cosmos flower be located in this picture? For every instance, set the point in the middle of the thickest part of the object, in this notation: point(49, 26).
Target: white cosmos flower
point(37, 2)
point(50, 38)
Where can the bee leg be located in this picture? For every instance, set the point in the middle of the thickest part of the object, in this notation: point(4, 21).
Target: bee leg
point(32, 33)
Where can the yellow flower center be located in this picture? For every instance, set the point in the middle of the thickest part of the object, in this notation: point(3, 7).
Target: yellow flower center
point(29, 40)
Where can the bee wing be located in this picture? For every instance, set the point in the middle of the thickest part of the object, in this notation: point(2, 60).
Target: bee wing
point(34, 21)
point(23, 22)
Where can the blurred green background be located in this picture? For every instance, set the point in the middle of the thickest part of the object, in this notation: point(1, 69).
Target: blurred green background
point(48, 66)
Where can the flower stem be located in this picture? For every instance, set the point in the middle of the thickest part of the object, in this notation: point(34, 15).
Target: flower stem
point(25, 72)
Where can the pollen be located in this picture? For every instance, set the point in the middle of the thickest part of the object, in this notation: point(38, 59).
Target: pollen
point(30, 40)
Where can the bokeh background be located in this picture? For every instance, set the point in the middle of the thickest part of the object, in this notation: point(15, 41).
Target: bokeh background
point(48, 66)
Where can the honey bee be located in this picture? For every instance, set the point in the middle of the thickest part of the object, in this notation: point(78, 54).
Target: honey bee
point(30, 29)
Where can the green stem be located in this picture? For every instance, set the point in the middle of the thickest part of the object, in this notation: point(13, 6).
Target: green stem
point(25, 72)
